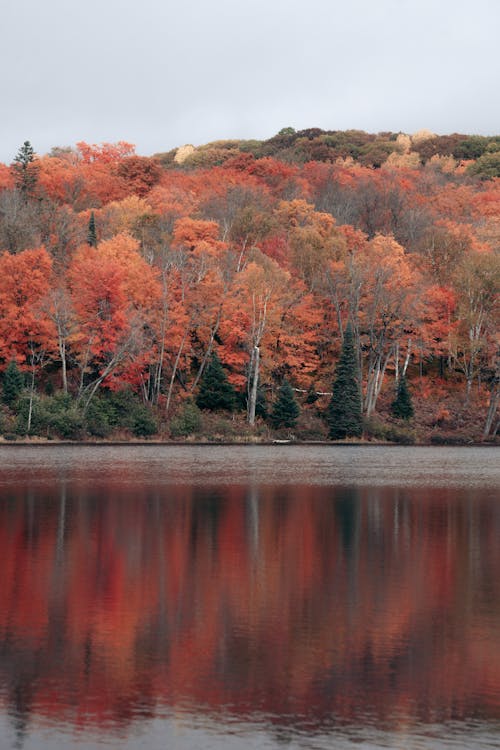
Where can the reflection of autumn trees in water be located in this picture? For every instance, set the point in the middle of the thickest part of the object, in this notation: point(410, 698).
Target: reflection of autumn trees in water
point(307, 601)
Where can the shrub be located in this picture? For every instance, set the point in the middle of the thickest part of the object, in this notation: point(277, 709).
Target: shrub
point(68, 424)
point(121, 409)
point(56, 414)
point(187, 421)
point(144, 424)
point(394, 434)
point(101, 417)
point(444, 438)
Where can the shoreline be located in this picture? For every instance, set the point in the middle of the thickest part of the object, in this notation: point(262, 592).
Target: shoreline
point(231, 443)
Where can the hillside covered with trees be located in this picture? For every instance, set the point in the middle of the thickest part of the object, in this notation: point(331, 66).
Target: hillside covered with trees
point(320, 284)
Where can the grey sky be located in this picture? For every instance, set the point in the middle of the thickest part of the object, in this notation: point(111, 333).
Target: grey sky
point(160, 73)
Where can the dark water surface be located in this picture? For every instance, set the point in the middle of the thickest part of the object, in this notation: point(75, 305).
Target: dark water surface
point(249, 597)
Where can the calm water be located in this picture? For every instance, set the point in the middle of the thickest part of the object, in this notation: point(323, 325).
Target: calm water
point(249, 597)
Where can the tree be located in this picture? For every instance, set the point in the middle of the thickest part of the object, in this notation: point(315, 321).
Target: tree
point(487, 167)
point(285, 409)
point(19, 222)
point(91, 233)
point(25, 169)
point(113, 294)
point(13, 383)
point(388, 307)
point(25, 281)
point(476, 282)
point(402, 406)
point(344, 411)
point(141, 173)
point(215, 390)
point(259, 292)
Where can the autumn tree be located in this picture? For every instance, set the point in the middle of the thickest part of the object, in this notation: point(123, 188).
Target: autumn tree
point(24, 282)
point(19, 222)
point(57, 306)
point(140, 173)
point(388, 308)
point(26, 333)
point(344, 410)
point(114, 294)
point(476, 280)
point(312, 237)
point(258, 292)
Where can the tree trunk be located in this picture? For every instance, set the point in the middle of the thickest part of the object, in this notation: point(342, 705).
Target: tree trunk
point(174, 372)
point(32, 391)
point(62, 352)
point(492, 411)
point(375, 380)
point(468, 388)
point(208, 352)
point(407, 358)
point(252, 403)
point(161, 357)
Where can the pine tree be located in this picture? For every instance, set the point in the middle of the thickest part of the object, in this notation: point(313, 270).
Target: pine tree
point(216, 392)
point(402, 406)
point(91, 232)
point(285, 409)
point(12, 383)
point(25, 170)
point(344, 415)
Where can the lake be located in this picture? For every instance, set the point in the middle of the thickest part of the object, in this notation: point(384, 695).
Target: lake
point(249, 597)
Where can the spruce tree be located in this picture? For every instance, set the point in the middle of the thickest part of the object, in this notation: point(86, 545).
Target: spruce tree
point(344, 415)
point(216, 392)
point(25, 170)
point(285, 409)
point(91, 232)
point(402, 406)
point(12, 383)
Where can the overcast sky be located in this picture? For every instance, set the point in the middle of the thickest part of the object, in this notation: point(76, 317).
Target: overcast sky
point(160, 73)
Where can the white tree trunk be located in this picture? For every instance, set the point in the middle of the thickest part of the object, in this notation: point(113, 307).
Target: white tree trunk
point(252, 402)
point(174, 372)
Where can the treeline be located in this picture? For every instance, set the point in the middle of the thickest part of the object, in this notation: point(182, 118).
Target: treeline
point(152, 295)
point(479, 154)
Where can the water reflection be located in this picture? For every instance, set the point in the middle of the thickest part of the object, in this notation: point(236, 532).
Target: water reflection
point(299, 608)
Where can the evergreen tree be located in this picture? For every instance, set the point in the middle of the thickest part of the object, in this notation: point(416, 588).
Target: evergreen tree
point(25, 170)
point(216, 392)
point(91, 232)
point(312, 396)
point(12, 383)
point(402, 406)
point(261, 403)
point(344, 415)
point(285, 409)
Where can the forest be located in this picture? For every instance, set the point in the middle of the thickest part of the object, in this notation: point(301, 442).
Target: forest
point(318, 285)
